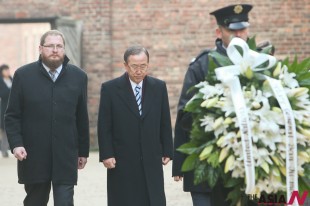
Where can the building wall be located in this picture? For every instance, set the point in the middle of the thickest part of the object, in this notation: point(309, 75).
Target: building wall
point(174, 32)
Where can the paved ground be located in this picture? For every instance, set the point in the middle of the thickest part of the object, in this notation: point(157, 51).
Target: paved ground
point(91, 189)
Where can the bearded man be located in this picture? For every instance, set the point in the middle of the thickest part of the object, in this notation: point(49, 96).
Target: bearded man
point(47, 123)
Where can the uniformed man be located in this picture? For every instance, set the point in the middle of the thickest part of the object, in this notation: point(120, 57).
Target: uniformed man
point(232, 22)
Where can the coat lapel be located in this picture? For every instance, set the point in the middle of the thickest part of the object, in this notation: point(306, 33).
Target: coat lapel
point(126, 94)
point(148, 96)
point(43, 70)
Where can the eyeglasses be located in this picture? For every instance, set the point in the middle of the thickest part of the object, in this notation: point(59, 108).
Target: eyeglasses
point(54, 46)
point(136, 67)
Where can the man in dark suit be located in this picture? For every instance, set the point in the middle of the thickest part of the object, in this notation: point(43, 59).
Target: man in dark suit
point(47, 123)
point(134, 133)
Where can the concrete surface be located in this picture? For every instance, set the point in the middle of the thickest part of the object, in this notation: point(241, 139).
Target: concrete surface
point(91, 189)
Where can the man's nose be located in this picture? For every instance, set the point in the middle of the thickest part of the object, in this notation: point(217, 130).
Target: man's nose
point(237, 33)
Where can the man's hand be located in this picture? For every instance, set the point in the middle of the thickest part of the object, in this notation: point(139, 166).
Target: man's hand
point(178, 178)
point(165, 160)
point(109, 163)
point(20, 153)
point(82, 162)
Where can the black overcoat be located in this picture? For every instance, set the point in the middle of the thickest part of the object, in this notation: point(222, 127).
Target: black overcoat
point(196, 73)
point(4, 95)
point(135, 140)
point(50, 120)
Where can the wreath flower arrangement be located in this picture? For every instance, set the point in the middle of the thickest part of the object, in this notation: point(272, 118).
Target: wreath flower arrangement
point(251, 123)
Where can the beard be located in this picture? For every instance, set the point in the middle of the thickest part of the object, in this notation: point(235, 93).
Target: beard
point(51, 62)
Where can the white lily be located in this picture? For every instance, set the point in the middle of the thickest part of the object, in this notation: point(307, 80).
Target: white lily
point(288, 78)
point(207, 122)
point(209, 91)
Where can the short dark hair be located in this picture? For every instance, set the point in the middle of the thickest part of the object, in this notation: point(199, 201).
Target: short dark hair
point(135, 50)
point(3, 67)
point(51, 33)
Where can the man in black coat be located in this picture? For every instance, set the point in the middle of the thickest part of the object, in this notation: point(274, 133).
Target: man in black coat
point(232, 22)
point(47, 123)
point(5, 87)
point(134, 134)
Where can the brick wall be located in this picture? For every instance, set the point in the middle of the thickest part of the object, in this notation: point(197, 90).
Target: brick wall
point(174, 31)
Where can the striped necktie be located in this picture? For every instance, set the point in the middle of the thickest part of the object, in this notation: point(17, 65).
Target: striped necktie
point(138, 98)
point(52, 74)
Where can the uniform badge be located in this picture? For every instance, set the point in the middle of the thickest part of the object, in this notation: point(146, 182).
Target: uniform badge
point(238, 9)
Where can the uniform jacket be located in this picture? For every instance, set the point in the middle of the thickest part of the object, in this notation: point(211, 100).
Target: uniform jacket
point(50, 120)
point(196, 73)
point(4, 97)
point(135, 140)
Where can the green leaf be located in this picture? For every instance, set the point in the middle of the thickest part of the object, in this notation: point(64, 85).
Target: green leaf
point(213, 159)
point(304, 184)
point(305, 64)
point(194, 106)
point(212, 175)
point(267, 50)
point(235, 195)
point(301, 70)
point(221, 59)
point(306, 81)
point(192, 89)
point(306, 179)
point(200, 173)
point(252, 43)
point(232, 182)
point(189, 163)
point(205, 172)
point(187, 148)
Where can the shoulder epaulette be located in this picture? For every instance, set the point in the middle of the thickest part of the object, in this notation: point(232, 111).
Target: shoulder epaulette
point(204, 52)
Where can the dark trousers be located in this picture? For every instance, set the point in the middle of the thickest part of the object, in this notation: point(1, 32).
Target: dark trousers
point(201, 198)
point(38, 194)
point(4, 144)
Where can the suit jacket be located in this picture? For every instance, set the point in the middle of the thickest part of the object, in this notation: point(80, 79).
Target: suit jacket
point(4, 95)
point(50, 120)
point(134, 140)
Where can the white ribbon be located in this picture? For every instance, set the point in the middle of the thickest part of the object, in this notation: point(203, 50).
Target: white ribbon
point(290, 130)
point(229, 76)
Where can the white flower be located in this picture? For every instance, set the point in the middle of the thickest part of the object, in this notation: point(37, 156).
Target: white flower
point(207, 122)
point(226, 105)
point(288, 78)
point(261, 155)
point(281, 149)
point(209, 91)
point(270, 185)
point(238, 169)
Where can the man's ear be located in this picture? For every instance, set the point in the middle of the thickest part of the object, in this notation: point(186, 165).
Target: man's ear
point(218, 33)
point(126, 66)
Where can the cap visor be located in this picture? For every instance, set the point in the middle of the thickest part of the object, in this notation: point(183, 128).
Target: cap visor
point(238, 25)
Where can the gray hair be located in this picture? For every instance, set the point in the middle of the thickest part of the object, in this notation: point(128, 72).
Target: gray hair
point(135, 50)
